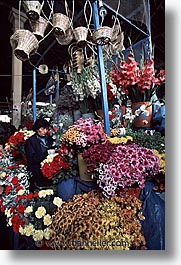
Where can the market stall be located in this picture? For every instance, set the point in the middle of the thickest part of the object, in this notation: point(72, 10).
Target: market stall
point(107, 163)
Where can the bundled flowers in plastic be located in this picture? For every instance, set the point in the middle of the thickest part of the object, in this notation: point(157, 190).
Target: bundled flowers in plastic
point(83, 134)
point(118, 166)
point(90, 221)
point(61, 165)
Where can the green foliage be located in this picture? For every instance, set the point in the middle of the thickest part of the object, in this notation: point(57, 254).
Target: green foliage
point(155, 141)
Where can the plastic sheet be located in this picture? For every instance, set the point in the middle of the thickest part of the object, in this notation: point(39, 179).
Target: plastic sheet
point(154, 224)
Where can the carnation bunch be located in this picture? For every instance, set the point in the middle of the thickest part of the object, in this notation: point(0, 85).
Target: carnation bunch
point(83, 134)
point(17, 140)
point(31, 213)
point(61, 165)
point(120, 165)
point(13, 178)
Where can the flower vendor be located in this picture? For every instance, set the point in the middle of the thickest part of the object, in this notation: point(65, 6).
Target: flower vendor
point(36, 149)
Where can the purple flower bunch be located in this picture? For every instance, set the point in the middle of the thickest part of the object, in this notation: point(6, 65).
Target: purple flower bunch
point(90, 133)
point(118, 166)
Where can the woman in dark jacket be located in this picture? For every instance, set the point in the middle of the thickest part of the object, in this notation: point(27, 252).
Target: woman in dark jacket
point(36, 149)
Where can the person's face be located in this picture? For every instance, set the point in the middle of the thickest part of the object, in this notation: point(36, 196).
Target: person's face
point(42, 131)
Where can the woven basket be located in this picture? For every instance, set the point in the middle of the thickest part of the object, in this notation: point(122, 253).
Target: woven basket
point(102, 35)
point(24, 43)
point(32, 9)
point(65, 39)
point(61, 24)
point(77, 61)
point(115, 33)
point(80, 34)
point(39, 26)
point(117, 46)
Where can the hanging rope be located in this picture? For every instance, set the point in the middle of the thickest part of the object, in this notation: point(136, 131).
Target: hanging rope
point(85, 16)
point(19, 11)
point(68, 12)
point(116, 15)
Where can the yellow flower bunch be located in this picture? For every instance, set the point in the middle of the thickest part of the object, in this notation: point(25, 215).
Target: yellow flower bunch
point(70, 135)
point(120, 140)
point(162, 160)
point(93, 222)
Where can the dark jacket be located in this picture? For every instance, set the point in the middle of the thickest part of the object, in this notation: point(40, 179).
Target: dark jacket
point(36, 151)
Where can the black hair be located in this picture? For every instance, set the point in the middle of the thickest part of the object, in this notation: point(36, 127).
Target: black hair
point(41, 122)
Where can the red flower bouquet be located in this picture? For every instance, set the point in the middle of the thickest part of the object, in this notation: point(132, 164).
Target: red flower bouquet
point(61, 165)
point(138, 83)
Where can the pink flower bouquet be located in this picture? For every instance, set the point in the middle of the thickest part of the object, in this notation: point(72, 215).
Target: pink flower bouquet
point(117, 166)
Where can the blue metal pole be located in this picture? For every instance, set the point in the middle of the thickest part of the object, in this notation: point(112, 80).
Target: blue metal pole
point(51, 99)
point(34, 94)
point(101, 73)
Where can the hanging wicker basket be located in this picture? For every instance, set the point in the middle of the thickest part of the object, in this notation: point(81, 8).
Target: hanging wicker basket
point(102, 35)
point(61, 24)
point(80, 34)
point(32, 9)
point(24, 44)
point(117, 46)
point(65, 39)
point(115, 33)
point(77, 60)
point(39, 26)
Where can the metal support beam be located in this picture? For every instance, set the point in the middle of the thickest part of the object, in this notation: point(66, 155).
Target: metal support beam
point(51, 99)
point(101, 73)
point(34, 94)
point(125, 19)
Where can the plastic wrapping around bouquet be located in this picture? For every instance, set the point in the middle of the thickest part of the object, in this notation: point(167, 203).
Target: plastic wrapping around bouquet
point(77, 115)
point(142, 121)
point(84, 175)
point(66, 189)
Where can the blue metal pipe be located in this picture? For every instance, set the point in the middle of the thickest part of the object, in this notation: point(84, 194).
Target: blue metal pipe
point(43, 89)
point(34, 94)
point(101, 73)
point(57, 71)
point(51, 99)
